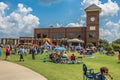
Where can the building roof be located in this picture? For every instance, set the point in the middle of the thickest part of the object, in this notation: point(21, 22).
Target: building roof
point(93, 7)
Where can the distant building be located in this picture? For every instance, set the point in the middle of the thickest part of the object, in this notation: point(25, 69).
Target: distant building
point(88, 33)
point(26, 40)
point(5, 41)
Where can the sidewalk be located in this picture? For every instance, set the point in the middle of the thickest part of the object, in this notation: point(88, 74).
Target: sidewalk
point(12, 71)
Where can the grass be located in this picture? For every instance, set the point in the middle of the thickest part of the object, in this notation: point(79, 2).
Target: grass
point(54, 71)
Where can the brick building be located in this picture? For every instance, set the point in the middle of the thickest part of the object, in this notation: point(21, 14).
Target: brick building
point(90, 33)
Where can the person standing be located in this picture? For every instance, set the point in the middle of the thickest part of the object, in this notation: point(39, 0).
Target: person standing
point(21, 53)
point(0, 52)
point(33, 53)
point(7, 53)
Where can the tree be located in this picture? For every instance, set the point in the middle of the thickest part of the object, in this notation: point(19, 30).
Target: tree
point(116, 41)
point(110, 48)
point(63, 42)
point(90, 44)
point(10, 42)
point(116, 44)
point(103, 43)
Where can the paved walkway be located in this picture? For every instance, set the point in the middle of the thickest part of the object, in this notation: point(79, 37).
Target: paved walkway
point(12, 71)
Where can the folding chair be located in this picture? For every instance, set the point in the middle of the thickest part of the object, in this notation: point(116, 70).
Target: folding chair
point(88, 74)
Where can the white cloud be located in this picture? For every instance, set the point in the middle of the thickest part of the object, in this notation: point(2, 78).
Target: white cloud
point(59, 25)
point(89, 2)
point(76, 24)
point(18, 23)
point(73, 25)
point(22, 9)
point(48, 2)
point(3, 6)
point(109, 8)
point(111, 31)
point(81, 24)
point(112, 24)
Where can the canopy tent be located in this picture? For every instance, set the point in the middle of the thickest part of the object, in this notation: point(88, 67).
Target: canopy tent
point(47, 40)
point(46, 44)
point(75, 40)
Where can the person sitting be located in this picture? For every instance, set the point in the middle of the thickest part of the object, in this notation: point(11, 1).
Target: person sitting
point(73, 58)
point(85, 53)
point(64, 58)
point(103, 73)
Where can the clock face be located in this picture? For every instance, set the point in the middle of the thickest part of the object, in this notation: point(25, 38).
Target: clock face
point(92, 19)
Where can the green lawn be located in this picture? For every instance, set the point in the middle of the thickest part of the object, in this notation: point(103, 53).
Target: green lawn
point(54, 71)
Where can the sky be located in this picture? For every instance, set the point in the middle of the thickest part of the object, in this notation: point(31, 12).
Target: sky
point(20, 17)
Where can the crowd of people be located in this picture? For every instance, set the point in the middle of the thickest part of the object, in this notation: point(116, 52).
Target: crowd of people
point(63, 58)
point(55, 56)
point(24, 50)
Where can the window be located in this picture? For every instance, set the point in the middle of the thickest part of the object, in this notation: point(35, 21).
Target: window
point(78, 35)
point(54, 35)
point(60, 35)
point(71, 35)
point(38, 35)
point(44, 35)
point(92, 35)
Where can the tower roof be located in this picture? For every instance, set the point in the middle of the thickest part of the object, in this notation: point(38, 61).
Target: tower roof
point(93, 7)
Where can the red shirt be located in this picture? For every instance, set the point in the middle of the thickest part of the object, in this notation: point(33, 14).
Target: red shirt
point(8, 50)
point(85, 53)
point(118, 57)
point(73, 57)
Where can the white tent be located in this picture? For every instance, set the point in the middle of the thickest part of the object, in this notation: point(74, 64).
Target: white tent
point(46, 45)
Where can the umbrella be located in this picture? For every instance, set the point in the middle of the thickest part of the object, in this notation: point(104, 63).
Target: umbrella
point(60, 48)
point(78, 47)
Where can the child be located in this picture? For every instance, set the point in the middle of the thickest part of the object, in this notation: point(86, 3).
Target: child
point(44, 60)
point(103, 73)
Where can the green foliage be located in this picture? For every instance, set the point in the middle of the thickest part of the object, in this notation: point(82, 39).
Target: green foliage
point(10, 42)
point(116, 46)
point(116, 41)
point(63, 42)
point(109, 48)
point(103, 43)
point(90, 44)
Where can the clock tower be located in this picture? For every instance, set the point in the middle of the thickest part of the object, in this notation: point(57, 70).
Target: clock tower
point(92, 21)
